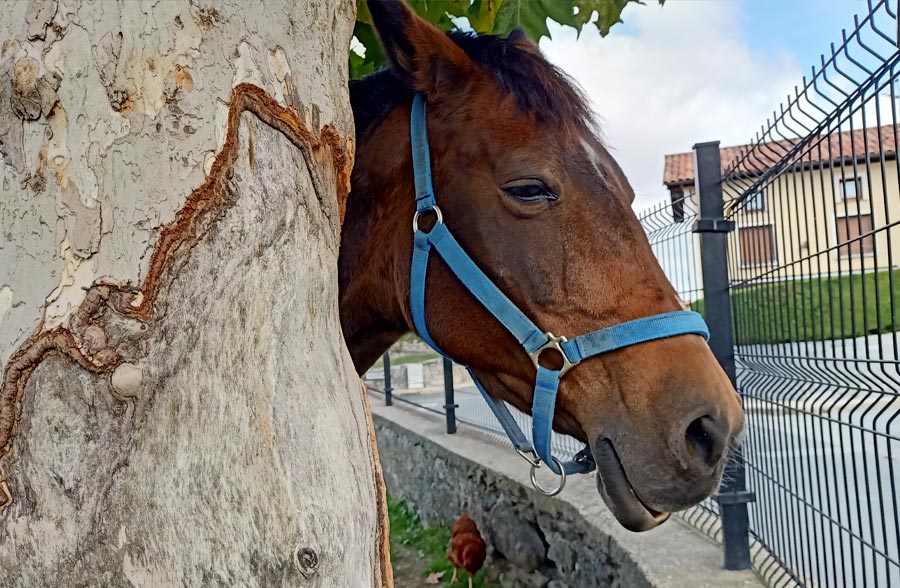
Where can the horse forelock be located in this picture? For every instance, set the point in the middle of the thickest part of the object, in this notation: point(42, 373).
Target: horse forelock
point(539, 88)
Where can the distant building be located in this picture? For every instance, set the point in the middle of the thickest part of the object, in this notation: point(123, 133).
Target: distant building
point(818, 217)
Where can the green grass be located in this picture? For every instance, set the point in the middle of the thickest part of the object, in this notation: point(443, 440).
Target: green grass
point(401, 359)
point(415, 358)
point(410, 538)
point(815, 309)
point(410, 338)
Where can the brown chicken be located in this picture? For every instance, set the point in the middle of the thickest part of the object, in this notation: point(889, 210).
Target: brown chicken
point(467, 548)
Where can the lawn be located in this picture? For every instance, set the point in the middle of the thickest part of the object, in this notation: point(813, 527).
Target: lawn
point(815, 309)
point(401, 359)
point(418, 550)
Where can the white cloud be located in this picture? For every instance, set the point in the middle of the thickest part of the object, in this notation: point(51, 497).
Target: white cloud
point(679, 75)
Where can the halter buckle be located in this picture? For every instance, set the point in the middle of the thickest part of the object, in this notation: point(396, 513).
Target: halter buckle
point(555, 343)
point(549, 491)
point(435, 210)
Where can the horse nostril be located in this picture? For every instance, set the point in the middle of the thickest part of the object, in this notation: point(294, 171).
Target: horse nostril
point(705, 441)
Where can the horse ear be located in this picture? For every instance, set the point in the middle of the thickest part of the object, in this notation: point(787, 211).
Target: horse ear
point(417, 48)
point(518, 38)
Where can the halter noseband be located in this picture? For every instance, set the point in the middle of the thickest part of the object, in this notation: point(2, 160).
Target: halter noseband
point(529, 336)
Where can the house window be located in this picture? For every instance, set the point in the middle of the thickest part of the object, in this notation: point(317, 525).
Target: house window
point(849, 229)
point(757, 245)
point(850, 189)
point(756, 202)
point(677, 195)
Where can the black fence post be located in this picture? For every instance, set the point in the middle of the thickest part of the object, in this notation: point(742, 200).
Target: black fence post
point(713, 230)
point(386, 360)
point(449, 401)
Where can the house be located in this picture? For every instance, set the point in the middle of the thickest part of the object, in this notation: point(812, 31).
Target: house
point(830, 210)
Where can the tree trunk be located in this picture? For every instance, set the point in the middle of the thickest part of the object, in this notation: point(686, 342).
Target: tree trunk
point(177, 405)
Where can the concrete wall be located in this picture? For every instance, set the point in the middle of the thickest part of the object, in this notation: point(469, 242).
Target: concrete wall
point(569, 541)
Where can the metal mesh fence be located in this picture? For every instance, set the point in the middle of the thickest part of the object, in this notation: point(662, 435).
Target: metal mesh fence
point(471, 410)
point(669, 229)
point(813, 283)
point(814, 298)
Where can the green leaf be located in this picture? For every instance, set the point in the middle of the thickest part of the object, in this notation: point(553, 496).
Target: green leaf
point(362, 12)
point(482, 14)
point(561, 12)
point(528, 15)
point(359, 67)
point(363, 65)
point(493, 16)
point(365, 33)
point(609, 12)
point(436, 11)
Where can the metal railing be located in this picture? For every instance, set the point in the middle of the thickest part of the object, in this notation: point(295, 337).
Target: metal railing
point(461, 403)
point(811, 210)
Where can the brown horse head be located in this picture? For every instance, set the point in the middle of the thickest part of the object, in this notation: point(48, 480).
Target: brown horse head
point(539, 204)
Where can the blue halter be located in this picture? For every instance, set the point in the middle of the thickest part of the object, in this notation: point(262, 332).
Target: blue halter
point(529, 336)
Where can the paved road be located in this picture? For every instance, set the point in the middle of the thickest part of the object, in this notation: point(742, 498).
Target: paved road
point(823, 445)
point(826, 498)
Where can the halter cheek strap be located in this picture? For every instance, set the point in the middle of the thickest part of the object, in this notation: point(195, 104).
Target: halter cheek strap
point(532, 339)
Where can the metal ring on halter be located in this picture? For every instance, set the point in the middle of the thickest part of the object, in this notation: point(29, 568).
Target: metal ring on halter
point(435, 210)
point(554, 343)
point(544, 491)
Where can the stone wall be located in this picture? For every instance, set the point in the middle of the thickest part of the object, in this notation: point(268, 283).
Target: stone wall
point(567, 541)
point(535, 541)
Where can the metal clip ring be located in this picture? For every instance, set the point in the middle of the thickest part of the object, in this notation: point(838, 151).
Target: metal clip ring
point(555, 343)
point(435, 210)
point(530, 456)
point(544, 491)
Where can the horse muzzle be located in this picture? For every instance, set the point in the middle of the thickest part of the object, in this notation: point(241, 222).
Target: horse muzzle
point(643, 483)
point(618, 493)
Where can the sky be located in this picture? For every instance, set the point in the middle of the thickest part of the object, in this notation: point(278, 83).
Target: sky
point(693, 71)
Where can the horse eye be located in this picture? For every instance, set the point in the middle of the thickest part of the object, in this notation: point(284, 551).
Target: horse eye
point(531, 192)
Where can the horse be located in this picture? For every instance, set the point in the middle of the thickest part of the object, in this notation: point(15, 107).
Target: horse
point(536, 200)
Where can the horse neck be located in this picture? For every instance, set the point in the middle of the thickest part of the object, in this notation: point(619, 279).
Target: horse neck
point(376, 246)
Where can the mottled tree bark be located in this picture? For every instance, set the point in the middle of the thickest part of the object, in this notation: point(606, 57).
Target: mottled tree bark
point(177, 404)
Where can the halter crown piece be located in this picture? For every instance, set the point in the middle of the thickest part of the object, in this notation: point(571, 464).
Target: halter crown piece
point(529, 336)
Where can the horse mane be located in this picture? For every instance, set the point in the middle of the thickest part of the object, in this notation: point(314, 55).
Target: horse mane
point(540, 88)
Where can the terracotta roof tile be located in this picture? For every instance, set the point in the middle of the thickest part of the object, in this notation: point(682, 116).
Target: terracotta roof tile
point(679, 168)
